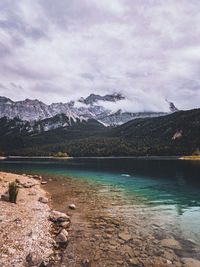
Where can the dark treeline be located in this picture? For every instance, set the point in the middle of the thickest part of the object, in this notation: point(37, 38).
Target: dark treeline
point(101, 147)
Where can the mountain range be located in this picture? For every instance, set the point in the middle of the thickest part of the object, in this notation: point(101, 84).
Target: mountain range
point(33, 111)
point(87, 128)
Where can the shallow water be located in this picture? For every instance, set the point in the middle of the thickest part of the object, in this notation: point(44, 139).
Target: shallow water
point(162, 190)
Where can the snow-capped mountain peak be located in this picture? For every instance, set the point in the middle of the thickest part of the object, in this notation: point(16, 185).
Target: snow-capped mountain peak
point(83, 109)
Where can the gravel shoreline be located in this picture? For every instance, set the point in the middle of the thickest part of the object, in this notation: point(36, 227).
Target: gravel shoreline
point(28, 232)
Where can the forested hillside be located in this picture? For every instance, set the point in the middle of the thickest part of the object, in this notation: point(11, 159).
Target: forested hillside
point(174, 134)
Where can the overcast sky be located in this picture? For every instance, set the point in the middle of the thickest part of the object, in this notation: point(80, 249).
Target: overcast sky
point(148, 50)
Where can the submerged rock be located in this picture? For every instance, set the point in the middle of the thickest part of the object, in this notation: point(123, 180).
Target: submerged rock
point(134, 262)
point(57, 216)
point(125, 236)
point(191, 262)
point(170, 243)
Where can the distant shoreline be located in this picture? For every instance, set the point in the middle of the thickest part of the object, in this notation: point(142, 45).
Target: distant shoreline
point(34, 157)
point(111, 157)
point(106, 157)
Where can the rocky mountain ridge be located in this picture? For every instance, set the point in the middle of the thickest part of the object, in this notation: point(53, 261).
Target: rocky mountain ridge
point(89, 108)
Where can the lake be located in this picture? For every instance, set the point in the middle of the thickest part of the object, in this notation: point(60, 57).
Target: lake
point(163, 193)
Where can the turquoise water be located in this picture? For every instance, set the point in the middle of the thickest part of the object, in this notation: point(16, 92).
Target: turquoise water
point(169, 188)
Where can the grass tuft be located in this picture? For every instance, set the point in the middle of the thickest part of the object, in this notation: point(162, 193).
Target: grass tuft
point(13, 192)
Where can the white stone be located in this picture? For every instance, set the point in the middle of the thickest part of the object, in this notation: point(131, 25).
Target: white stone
point(72, 206)
point(169, 262)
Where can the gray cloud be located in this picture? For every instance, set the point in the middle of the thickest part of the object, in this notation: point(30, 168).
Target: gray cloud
point(148, 50)
point(87, 76)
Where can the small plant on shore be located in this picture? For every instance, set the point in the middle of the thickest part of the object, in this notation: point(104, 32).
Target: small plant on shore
point(13, 192)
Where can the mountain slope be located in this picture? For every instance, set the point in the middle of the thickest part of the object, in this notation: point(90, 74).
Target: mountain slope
point(174, 134)
point(118, 117)
point(178, 125)
point(15, 133)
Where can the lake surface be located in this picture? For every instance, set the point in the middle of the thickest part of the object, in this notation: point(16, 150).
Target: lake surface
point(165, 190)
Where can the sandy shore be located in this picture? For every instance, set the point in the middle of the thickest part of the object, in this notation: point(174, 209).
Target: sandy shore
point(25, 229)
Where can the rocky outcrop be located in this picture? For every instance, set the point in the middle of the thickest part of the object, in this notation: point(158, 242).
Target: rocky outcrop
point(177, 135)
